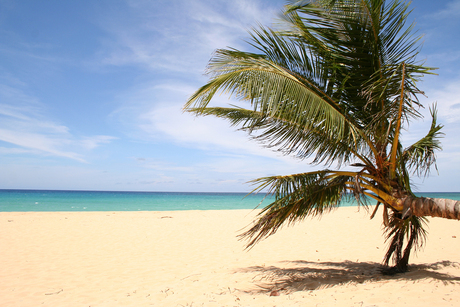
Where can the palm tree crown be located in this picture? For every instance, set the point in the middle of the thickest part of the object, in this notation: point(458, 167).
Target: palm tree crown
point(335, 85)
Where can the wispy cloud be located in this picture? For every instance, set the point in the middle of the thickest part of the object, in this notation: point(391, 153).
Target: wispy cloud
point(24, 124)
point(155, 113)
point(91, 142)
point(452, 9)
point(178, 40)
point(37, 142)
point(446, 97)
point(179, 37)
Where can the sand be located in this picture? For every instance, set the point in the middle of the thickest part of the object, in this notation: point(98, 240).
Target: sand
point(193, 258)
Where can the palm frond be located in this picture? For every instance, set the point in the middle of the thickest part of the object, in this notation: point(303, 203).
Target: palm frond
point(420, 156)
point(296, 197)
point(270, 88)
point(302, 140)
point(278, 93)
point(367, 41)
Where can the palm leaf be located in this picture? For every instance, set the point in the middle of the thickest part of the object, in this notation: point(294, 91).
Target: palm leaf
point(296, 197)
point(278, 93)
point(420, 156)
point(303, 140)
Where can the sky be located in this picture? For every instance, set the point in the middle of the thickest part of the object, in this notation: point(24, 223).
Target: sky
point(91, 95)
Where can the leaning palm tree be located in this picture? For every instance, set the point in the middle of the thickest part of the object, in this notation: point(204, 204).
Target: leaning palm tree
point(334, 85)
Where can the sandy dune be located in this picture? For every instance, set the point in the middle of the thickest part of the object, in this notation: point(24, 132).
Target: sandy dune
point(193, 258)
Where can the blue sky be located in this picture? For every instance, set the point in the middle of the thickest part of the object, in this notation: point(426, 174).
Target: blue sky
point(91, 95)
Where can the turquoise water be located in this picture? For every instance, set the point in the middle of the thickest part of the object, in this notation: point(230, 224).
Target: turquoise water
point(41, 200)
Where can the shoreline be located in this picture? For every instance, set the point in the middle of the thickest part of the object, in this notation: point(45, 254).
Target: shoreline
point(105, 201)
point(193, 257)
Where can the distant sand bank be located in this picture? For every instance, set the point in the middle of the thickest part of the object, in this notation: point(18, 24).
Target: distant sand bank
point(193, 258)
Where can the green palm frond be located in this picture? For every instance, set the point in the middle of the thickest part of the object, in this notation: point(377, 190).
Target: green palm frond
point(278, 93)
point(420, 156)
point(287, 53)
point(338, 40)
point(303, 140)
point(372, 41)
point(296, 197)
point(396, 38)
point(248, 120)
point(271, 88)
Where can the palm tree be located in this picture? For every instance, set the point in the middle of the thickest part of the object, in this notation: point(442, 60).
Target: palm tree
point(335, 85)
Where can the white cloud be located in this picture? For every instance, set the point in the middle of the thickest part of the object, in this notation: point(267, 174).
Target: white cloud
point(180, 41)
point(38, 142)
point(95, 141)
point(180, 37)
point(162, 165)
point(448, 101)
point(16, 150)
point(155, 113)
point(22, 123)
point(452, 9)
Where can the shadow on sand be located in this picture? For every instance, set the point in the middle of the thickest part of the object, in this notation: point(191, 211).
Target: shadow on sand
point(319, 275)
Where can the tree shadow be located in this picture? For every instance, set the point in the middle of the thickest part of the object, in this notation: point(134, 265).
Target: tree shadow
point(308, 275)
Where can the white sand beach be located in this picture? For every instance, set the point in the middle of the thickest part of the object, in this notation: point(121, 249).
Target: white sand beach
point(193, 258)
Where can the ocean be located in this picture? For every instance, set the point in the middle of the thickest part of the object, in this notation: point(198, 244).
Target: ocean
point(53, 201)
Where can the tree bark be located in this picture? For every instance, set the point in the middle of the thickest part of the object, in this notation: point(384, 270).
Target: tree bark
point(436, 207)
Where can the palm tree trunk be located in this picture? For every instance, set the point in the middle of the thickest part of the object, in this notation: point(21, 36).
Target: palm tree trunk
point(402, 264)
point(414, 208)
point(397, 231)
point(436, 207)
point(401, 259)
